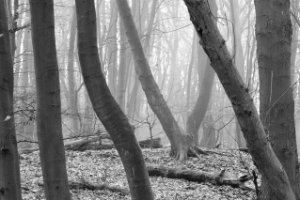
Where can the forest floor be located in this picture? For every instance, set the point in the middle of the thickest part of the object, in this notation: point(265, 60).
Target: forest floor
point(104, 167)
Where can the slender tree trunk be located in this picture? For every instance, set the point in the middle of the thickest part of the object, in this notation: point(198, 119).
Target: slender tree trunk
point(123, 68)
point(196, 117)
point(238, 57)
point(106, 107)
point(71, 78)
point(244, 108)
point(49, 128)
point(154, 97)
point(111, 52)
point(276, 94)
point(190, 69)
point(205, 88)
point(9, 162)
point(209, 138)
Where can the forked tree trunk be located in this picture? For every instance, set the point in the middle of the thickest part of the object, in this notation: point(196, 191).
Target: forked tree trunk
point(9, 162)
point(155, 99)
point(49, 129)
point(276, 93)
point(105, 105)
point(244, 108)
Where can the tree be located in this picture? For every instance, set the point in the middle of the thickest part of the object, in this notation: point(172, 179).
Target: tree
point(178, 140)
point(105, 106)
point(274, 37)
point(9, 161)
point(71, 77)
point(244, 108)
point(198, 113)
point(206, 85)
point(49, 129)
point(238, 56)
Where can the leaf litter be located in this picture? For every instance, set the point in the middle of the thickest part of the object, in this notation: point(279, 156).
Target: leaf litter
point(104, 167)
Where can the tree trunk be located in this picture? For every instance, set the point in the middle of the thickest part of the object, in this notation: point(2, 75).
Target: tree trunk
point(153, 94)
point(71, 78)
point(258, 145)
point(106, 107)
point(190, 70)
point(123, 68)
point(238, 58)
point(205, 88)
point(276, 94)
point(209, 138)
point(111, 52)
point(196, 117)
point(49, 128)
point(9, 161)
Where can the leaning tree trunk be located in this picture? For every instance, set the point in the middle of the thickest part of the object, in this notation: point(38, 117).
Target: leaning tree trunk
point(242, 103)
point(9, 161)
point(49, 128)
point(105, 106)
point(155, 99)
point(206, 85)
point(274, 36)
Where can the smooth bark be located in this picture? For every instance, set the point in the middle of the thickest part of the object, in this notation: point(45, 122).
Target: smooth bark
point(198, 113)
point(9, 161)
point(111, 51)
point(105, 105)
point(49, 129)
point(73, 106)
point(155, 99)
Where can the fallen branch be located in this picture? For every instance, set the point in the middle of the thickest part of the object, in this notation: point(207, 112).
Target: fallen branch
point(86, 185)
point(95, 143)
point(199, 176)
point(151, 143)
point(90, 186)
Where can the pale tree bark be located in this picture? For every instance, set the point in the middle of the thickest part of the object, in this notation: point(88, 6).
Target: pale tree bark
point(259, 147)
point(198, 113)
point(9, 161)
point(274, 36)
point(190, 70)
point(87, 121)
point(71, 77)
point(111, 51)
point(25, 87)
point(134, 98)
point(238, 57)
point(49, 129)
point(205, 87)
point(173, 45)
point(124, 62)
point(105, 105)
point(209, 137)
point(155, 99)
point(20, 34)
